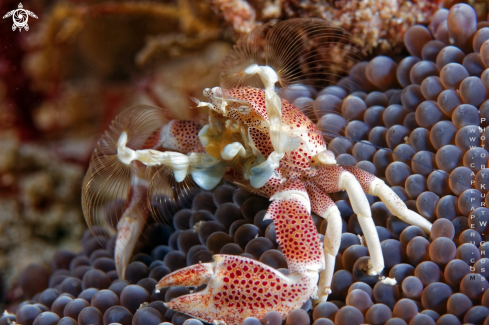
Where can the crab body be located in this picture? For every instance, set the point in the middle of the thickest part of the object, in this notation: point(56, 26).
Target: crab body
point(244, 120)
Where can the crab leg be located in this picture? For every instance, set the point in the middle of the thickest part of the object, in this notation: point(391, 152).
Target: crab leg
point(206, 171)
point(239, 287)
point(356, 182)
point(375, 186)
point(334, 178)
point(361, 207)
point(324, 206)
point(136, 211)
point(130, 225)
point(396, 206)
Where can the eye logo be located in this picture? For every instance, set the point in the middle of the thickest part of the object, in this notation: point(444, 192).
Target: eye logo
point(20, 17)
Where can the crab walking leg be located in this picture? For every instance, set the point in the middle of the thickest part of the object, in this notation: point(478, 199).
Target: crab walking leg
point(176, 135)
point(360, 205)
point(239, 287)
point(375, 186)
point(325, 207)
point(396, 206)
point(130, 225)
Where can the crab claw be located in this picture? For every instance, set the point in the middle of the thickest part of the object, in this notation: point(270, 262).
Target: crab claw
point(238, 287)
point(191, 276)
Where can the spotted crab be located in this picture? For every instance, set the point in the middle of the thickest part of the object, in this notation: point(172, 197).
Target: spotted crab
point(256, 140)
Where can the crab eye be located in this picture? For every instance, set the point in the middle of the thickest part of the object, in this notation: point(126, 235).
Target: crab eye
point(244, 110)
point(206, 92)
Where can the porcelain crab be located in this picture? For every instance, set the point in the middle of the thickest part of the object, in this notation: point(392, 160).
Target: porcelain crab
point(259, 141)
